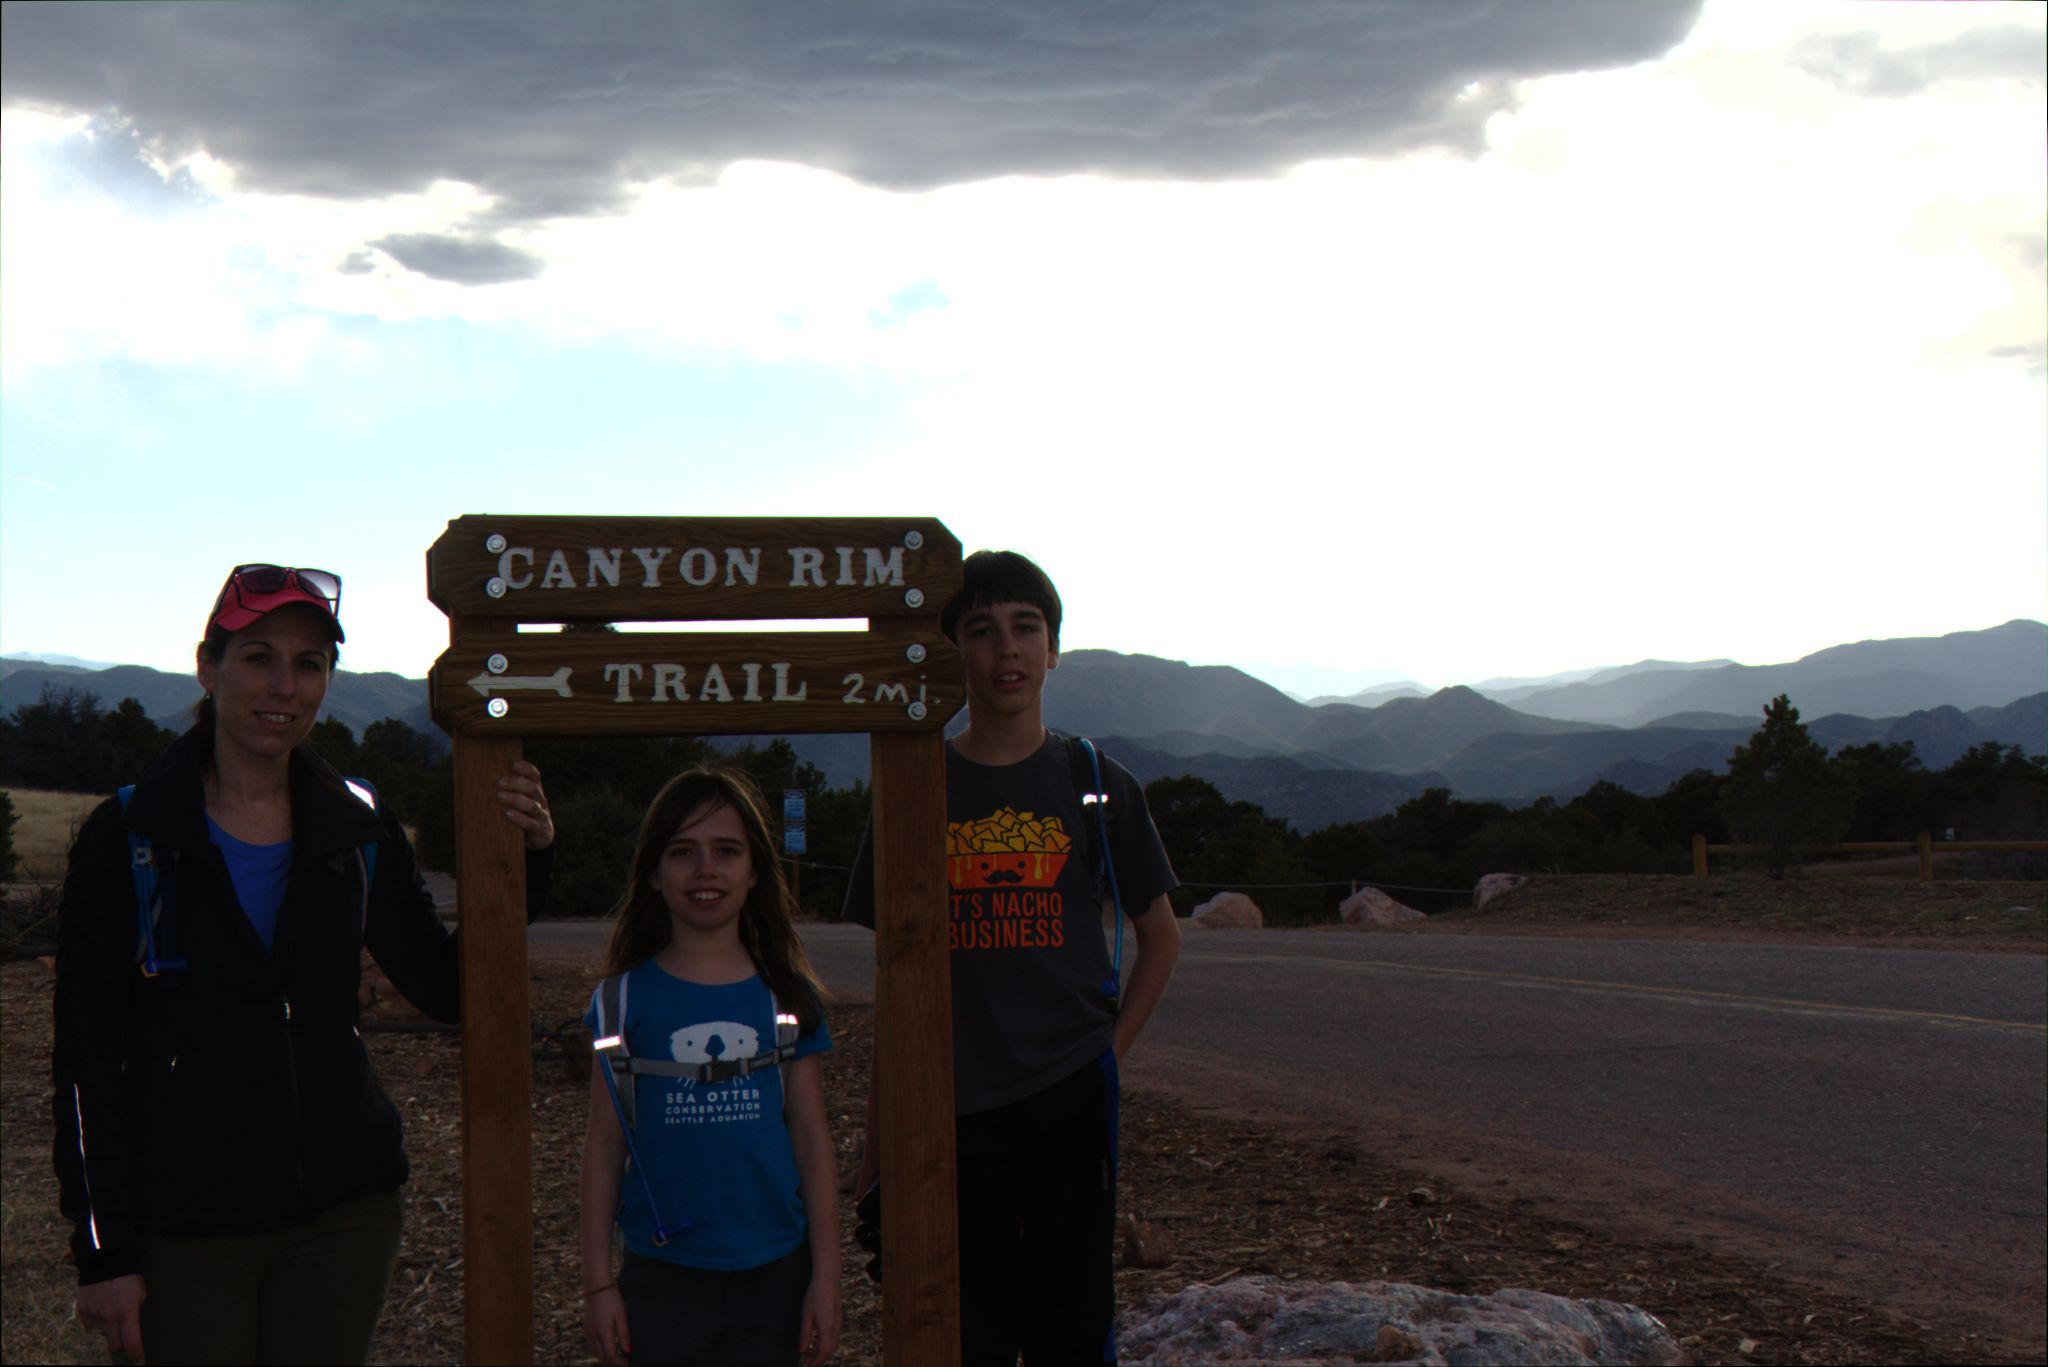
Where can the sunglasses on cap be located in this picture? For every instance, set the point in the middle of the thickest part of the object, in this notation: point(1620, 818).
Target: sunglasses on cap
point(253, 590)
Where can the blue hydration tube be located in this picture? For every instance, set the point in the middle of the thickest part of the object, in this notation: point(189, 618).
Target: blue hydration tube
point(1112, 986)
point(663, 1231)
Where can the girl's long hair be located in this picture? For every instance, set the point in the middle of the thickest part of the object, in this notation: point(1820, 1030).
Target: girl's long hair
point(767, 920)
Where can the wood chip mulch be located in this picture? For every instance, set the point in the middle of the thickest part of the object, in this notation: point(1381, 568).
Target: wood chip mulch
point(1232, 1198)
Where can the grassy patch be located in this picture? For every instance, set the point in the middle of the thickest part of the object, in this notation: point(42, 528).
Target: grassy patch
point(48, 823)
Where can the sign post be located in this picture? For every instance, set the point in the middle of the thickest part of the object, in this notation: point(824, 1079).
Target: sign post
point(899, 681)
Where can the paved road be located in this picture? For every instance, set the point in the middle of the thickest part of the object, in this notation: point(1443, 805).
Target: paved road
point(1873, 1118)
point(1870, 1118)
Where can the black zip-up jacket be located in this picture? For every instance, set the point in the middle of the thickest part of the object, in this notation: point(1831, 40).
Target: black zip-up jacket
point(234, 1097)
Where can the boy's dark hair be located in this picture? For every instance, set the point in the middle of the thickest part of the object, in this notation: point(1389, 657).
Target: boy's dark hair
point(991, 577)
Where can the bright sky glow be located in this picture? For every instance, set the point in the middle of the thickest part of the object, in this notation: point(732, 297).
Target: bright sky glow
point(1712, 355)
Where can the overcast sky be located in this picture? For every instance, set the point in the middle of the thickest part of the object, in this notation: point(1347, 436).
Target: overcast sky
point(1433, 338)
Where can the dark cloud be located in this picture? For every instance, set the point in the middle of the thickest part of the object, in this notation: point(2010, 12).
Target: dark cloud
point(556, 108)
point(465, 260)
point(1860, 63)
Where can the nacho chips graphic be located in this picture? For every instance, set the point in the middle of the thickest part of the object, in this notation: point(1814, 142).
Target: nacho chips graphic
point(1008, 849)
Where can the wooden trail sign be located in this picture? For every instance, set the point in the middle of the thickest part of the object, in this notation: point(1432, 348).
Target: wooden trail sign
point(676, 569)
point(633, 683)
point(900, 681)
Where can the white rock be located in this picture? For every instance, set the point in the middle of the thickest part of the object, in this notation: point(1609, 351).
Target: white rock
point(1371, 907)
point(1229, 911)
point(1263, 1319)
point(1493, 885)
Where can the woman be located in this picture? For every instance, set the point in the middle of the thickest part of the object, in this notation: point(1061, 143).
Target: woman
point(230, 1162)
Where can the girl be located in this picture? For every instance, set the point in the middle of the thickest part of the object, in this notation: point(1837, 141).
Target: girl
point(708, 1026)
point(229, 1161)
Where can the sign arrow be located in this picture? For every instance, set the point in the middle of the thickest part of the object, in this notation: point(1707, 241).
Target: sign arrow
point(557, 682)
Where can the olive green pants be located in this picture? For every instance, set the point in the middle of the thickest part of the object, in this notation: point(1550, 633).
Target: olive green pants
point(309, 1294)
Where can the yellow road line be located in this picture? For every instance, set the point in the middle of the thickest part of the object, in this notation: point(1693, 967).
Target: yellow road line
point(1743, 998)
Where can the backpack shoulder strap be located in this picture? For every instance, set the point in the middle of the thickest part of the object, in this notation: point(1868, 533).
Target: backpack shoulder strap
point(1096, 811)
point(1084, 766)
point(610, 999)
point(142, 869)
point(609, 1041)
point(785, 1029)
point(152, 896)
point(363, 791)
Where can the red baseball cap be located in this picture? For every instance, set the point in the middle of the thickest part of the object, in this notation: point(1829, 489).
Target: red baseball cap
point(254, 591)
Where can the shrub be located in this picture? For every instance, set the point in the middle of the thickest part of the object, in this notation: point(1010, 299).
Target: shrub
point(9, 861)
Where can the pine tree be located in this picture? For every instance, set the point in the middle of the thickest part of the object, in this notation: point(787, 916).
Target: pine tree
point(9, 860)
point(1782, 793)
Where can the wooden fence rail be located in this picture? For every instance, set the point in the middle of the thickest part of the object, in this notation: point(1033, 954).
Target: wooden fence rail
point(1924, 844)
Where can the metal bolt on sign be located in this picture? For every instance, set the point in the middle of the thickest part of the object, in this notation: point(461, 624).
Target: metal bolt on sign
point(917, 711)
point(914, 539)
point(494, 543)
point(497, 664)
point(495, 587)
point(497, 707)
point(914, 598)
point(915, 654)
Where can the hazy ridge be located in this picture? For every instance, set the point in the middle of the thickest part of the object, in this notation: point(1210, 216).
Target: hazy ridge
point(1640, 726)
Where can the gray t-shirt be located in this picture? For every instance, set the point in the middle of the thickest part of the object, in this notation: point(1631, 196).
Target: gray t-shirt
point(1029, 957)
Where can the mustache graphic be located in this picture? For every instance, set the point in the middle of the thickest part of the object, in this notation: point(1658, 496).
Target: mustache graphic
point(995, 876)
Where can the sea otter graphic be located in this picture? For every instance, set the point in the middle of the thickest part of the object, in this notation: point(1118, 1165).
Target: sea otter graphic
point(1008, 849)
point(712, 1041)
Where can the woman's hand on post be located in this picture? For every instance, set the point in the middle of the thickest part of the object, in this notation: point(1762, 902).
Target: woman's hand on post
point(604, 1325)
point(526, 805)
point(114, 1309)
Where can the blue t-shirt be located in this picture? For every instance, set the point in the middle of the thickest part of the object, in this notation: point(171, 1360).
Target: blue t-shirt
point(259, 873)
point(718, 1154)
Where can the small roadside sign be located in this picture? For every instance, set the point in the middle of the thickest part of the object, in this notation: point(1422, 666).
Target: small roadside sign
point(793, 821)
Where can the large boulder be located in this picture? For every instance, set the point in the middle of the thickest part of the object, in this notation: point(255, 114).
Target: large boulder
point(1229, 911)
point(1264, 1319)
point(1493, 885)
point(1371, 907)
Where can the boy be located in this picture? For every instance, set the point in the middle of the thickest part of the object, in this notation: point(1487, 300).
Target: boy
point(1036, 1037)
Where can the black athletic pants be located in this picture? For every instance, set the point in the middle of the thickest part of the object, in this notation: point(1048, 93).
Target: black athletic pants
point(1037, 1220)
point(308, 1294)
point(687, 1316)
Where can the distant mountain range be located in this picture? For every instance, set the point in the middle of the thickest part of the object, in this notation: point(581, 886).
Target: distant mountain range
point(1640, 726)
point(1964, 669)
point(354, 699)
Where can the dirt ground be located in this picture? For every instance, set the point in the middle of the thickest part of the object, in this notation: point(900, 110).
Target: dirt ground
point(1233, 1198)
